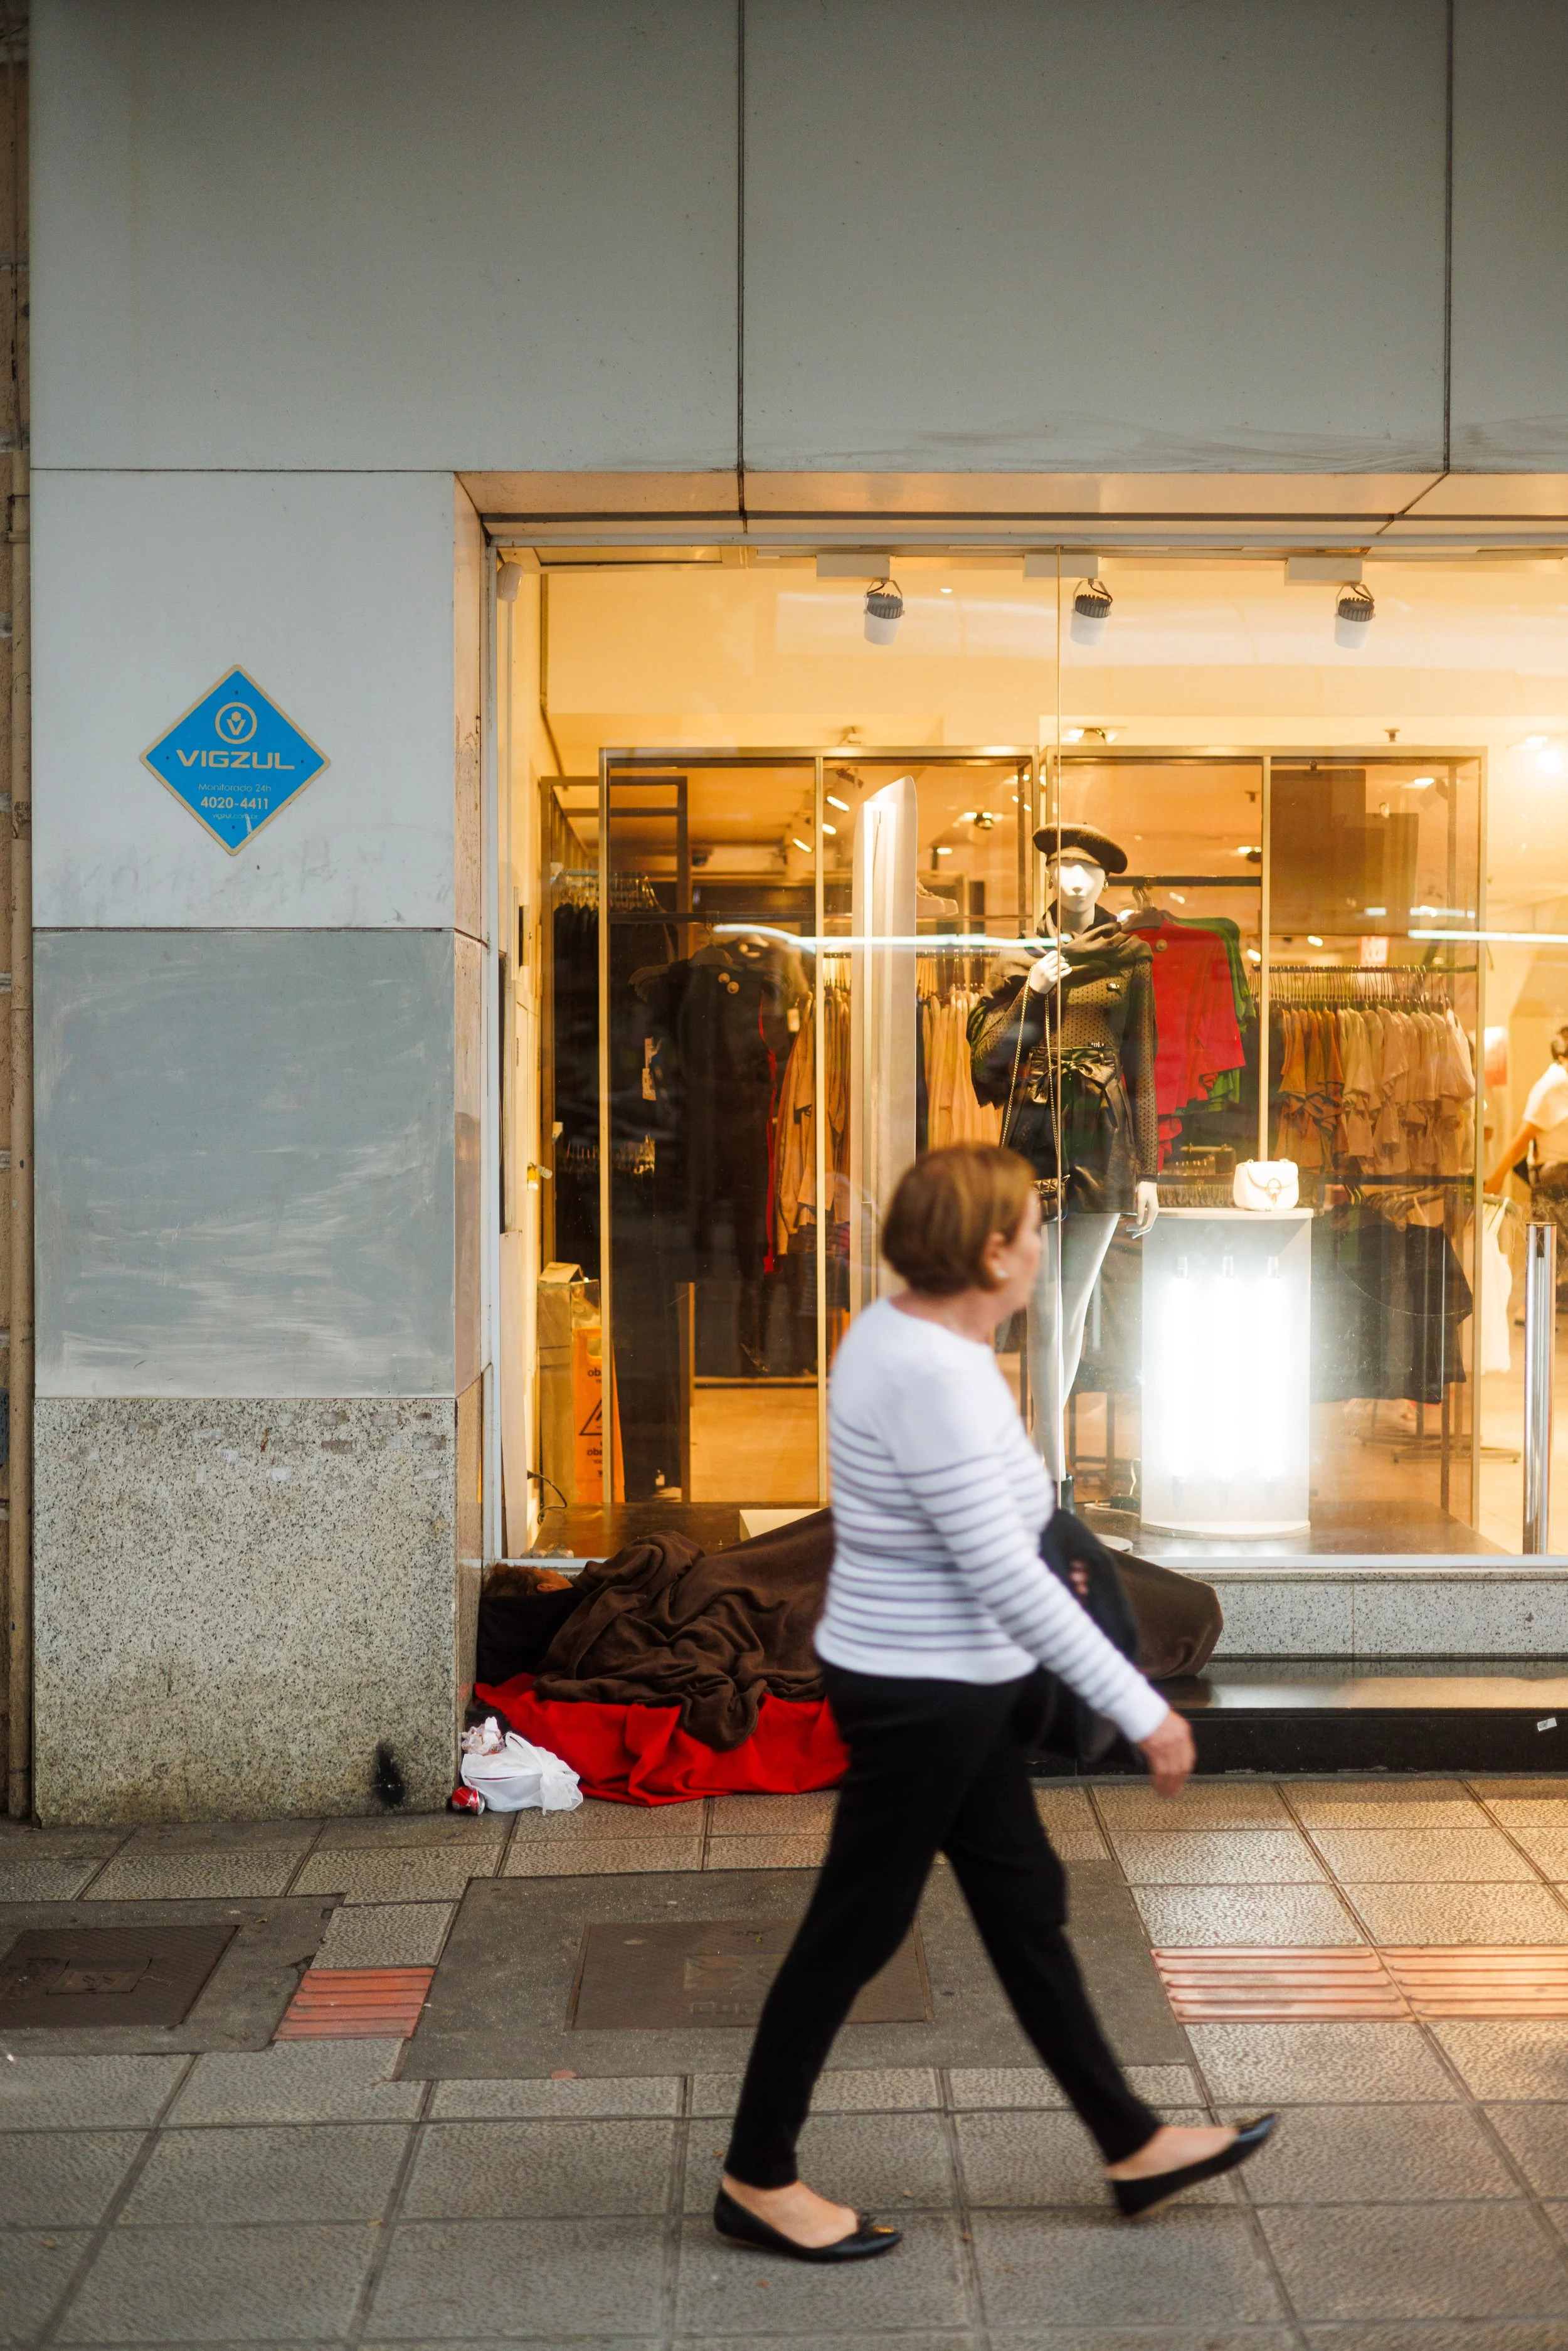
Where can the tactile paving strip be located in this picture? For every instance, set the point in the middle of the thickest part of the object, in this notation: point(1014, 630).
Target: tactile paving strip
point(1213, 1985)
point(356, 2005)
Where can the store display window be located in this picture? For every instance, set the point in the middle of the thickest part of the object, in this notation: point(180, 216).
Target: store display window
point(1196, 904)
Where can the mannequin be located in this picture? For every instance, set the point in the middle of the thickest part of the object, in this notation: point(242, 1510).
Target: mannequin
point(1068, 1049)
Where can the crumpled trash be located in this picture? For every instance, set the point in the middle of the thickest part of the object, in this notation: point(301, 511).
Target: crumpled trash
point(515, 1776)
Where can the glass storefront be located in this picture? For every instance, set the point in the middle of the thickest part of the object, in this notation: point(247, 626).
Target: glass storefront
point(1301, 980)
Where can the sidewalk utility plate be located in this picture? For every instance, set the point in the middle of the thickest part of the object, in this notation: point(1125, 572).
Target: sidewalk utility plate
point(663, 1976)
point(62, 1976)
point(234, 760)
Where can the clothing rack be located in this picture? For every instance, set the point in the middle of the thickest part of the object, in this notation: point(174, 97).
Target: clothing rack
point(629, 894)
point(1320, 985)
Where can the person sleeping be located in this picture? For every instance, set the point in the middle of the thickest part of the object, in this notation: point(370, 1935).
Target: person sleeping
point(663, 1623)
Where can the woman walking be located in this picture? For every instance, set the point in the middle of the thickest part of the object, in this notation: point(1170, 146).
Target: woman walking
point(939, 1614)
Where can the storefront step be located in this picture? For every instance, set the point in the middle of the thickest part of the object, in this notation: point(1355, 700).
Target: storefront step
point(1373, 1608)
point(1439, 1715)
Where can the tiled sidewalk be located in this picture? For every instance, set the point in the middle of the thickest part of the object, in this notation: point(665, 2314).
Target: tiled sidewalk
point(1415, 2198)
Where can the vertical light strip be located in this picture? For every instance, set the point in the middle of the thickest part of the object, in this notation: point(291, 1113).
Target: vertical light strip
point(606, 1345)
point(1479, 1053)
point(1061, 1443)
point(1265, 921)
point(819, 1135)
point(494, 1031)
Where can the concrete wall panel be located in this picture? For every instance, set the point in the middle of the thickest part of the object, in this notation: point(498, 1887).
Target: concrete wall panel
point(245, 1164)
point(1052, 237)
point(337, 596)
point(1510, 254)
point(274, 233)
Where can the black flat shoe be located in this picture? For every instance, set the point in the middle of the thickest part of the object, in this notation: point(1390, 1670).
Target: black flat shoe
point(867, 2239)
point(1134, 2195)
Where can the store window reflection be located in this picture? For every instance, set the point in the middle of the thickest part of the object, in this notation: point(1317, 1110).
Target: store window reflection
point(1337, 854)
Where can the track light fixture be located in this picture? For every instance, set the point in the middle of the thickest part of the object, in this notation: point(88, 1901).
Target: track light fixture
point(1091, 611)
point(884, 611)
point(1353, 615)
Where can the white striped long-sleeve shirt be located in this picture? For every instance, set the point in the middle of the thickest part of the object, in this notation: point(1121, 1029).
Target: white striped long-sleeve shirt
point(938, 1503)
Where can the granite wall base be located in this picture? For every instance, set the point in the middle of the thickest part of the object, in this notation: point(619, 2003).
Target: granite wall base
point(237, 1599)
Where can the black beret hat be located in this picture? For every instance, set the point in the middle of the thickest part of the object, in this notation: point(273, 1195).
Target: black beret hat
point(1097, 847)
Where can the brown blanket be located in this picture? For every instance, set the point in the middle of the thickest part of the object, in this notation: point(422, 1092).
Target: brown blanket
point(664, 1623)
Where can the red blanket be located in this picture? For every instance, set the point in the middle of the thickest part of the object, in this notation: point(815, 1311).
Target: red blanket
point(640, 1754)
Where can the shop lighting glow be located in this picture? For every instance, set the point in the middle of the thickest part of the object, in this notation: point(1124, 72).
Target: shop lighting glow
point(830, 828)
point(1313, 940)
point(1375, 910)
point(1499, 938)
point(1225, 1401)
point(1073, 734)
point(834, 802)
point(1531, 743)
point(1420, 783)
point(843, 943)
point(804, 845)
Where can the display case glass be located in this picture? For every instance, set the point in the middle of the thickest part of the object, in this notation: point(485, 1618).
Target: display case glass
point(796, 881)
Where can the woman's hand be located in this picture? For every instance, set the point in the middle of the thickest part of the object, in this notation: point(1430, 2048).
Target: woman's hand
point(1170, 1755)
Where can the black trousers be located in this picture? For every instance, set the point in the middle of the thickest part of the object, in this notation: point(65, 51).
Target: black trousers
point(934, 1767)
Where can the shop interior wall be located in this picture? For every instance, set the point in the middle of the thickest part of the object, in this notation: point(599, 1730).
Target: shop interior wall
point(1211, 238)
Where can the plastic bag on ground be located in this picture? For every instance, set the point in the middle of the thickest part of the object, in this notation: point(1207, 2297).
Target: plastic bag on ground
point(513, 1775)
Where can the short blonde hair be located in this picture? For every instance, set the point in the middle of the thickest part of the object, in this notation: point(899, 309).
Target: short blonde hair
point(945, 1210)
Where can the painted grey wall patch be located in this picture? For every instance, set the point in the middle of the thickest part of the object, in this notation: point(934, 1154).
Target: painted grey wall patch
point(234, 760)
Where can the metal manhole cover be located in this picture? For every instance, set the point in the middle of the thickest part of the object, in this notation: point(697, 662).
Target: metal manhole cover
point(665, 1976)
point(63, 1975)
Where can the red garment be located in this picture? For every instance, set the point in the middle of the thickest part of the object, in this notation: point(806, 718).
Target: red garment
point(1194, 1012)
point(640, 1754)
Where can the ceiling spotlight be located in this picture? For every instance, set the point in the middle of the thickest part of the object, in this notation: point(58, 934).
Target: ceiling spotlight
point(803, 846)
point(1353, 614)
point(836, 803)
point(1091, 611)
point(884, 611)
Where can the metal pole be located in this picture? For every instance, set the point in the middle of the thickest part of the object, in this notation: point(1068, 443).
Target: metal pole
point(1540, 1357)
point(19, 1533)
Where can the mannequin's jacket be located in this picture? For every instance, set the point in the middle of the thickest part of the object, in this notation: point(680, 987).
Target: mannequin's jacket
point(1073, 1069)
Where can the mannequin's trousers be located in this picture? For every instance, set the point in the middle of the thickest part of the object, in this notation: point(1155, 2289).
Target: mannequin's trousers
point(1076, 1246)
point(935, 1766)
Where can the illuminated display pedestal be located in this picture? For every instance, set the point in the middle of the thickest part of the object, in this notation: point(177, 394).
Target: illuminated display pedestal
point(1227, 1408)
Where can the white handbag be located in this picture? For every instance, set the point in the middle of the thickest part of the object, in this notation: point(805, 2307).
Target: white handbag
point(1265, 1184)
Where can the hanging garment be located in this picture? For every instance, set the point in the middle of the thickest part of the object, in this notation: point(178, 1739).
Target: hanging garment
point(1388, 1306)
point(954, 1113)
point(1194, 1015)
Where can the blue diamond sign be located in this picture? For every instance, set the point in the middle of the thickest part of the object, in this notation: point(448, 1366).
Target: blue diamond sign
point(235, 760)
